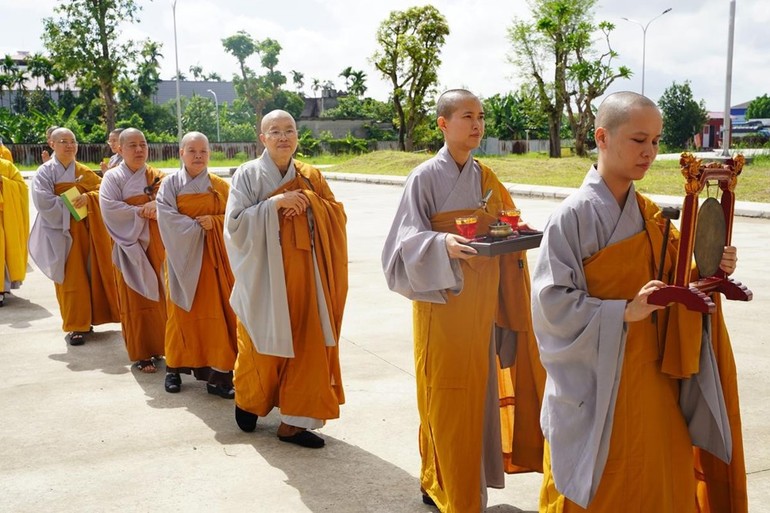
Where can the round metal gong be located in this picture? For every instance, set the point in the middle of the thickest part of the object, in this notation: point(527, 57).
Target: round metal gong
point(710, 237)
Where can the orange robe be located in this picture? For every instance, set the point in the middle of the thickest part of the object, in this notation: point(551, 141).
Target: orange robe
point(87, 296)
point(452, 360)
point(143, 320)
point(310, 384)
point(206, 335)
point(14, 224)
point(650, 445)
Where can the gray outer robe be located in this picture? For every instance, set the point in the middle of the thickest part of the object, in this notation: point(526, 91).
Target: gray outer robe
point(417, 266)
point(130, 232)
point(50, 240)
point(182, 236)
point(252, 241)
point(582, 339)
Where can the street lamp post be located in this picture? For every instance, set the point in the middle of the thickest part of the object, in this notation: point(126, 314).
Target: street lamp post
point(644, 39)
point(727, 133)
point(216, 106)
point(176, 60)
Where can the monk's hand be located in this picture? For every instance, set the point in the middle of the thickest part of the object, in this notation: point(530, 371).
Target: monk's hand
point(525, 227)
point(149, 210)
point(45, 156)
point(206, 222)
point(292, 203)
point(80, 201)
point(638, 309)
point(729, 260)
point(456, 248)
point(103, 165)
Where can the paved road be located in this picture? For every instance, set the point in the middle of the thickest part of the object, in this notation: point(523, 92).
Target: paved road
point(83, 431)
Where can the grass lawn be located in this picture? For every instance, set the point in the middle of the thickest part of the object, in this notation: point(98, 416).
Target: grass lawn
point(533, 169)
point(537, 169)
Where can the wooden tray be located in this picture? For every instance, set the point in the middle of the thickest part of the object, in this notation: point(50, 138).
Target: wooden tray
point(488, 246)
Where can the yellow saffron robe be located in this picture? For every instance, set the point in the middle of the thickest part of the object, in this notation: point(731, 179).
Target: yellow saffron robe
point(452, 344)
point(86, 294)
point(143, 320)
point(14, 223)
point(310, 383)
point(206, 335)
point(650, 445)
point(5, 153)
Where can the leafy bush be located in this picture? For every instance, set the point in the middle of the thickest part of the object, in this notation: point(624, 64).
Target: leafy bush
point(217, 155)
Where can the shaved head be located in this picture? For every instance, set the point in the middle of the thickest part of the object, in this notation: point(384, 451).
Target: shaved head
point(450, 100)
point(62, 132)
point(273, 116)
point(193, 136)
point(128, 133)
point(616, 109)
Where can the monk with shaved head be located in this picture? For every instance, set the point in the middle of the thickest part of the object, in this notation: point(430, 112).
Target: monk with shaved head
point(629, 394)
point(130, 213)
point(471, 321)
point(285, 236)
point(201, 331)
point(73, 251)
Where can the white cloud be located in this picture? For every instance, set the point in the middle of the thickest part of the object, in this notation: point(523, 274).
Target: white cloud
point(322, 37)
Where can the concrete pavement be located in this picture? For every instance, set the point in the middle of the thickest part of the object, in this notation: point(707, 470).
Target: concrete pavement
point(83, 431)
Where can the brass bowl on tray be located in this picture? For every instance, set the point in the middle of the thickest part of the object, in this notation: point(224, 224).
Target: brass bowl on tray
point(500, 230)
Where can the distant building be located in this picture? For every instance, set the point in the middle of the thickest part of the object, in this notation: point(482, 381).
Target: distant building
point(30, 84)
point(225, 91)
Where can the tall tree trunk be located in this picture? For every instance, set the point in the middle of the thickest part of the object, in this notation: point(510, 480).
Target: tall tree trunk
point(109, 105)
point(401, 125)
point(554, 133)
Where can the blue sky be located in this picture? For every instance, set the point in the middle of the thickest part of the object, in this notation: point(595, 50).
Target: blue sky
point(320, 38)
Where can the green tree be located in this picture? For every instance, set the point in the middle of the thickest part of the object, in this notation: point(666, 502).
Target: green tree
point(759, 108)
point(560, 38)
point(289, 101)
point(259, 90)
point(346, 73)
point(86, 41)
point(352, 107)
point(298, 79)
point(148, 68)
point(196, 70)
point(410, 45)
point(357, 83)
point(510, 116)
point(683, 117)
point(199, 114)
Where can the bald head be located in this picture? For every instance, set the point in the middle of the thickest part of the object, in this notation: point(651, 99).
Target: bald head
point(450, 101)
point(616, 109)
point(276, 117)
point(193, 136)
point(130, 133)
point(60, 133)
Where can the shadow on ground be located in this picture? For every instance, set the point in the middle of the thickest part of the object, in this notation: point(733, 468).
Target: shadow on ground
point(103, 351)
point(18, 312)
point(341, 477)
point(506, 508)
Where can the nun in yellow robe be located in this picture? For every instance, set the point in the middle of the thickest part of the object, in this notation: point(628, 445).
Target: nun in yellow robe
point(14, 226)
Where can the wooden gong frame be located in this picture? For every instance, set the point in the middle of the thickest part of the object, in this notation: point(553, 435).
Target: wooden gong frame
point(695, 295)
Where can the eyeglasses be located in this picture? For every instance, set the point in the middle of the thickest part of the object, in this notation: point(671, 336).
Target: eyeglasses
point(277, 134)
point(66, 143)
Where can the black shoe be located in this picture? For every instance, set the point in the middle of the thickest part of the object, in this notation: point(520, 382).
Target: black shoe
point(427, 500)
point(77, 339)
point(222, 391)
point(173, 383)
point(304, 439)
point(247, 421)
